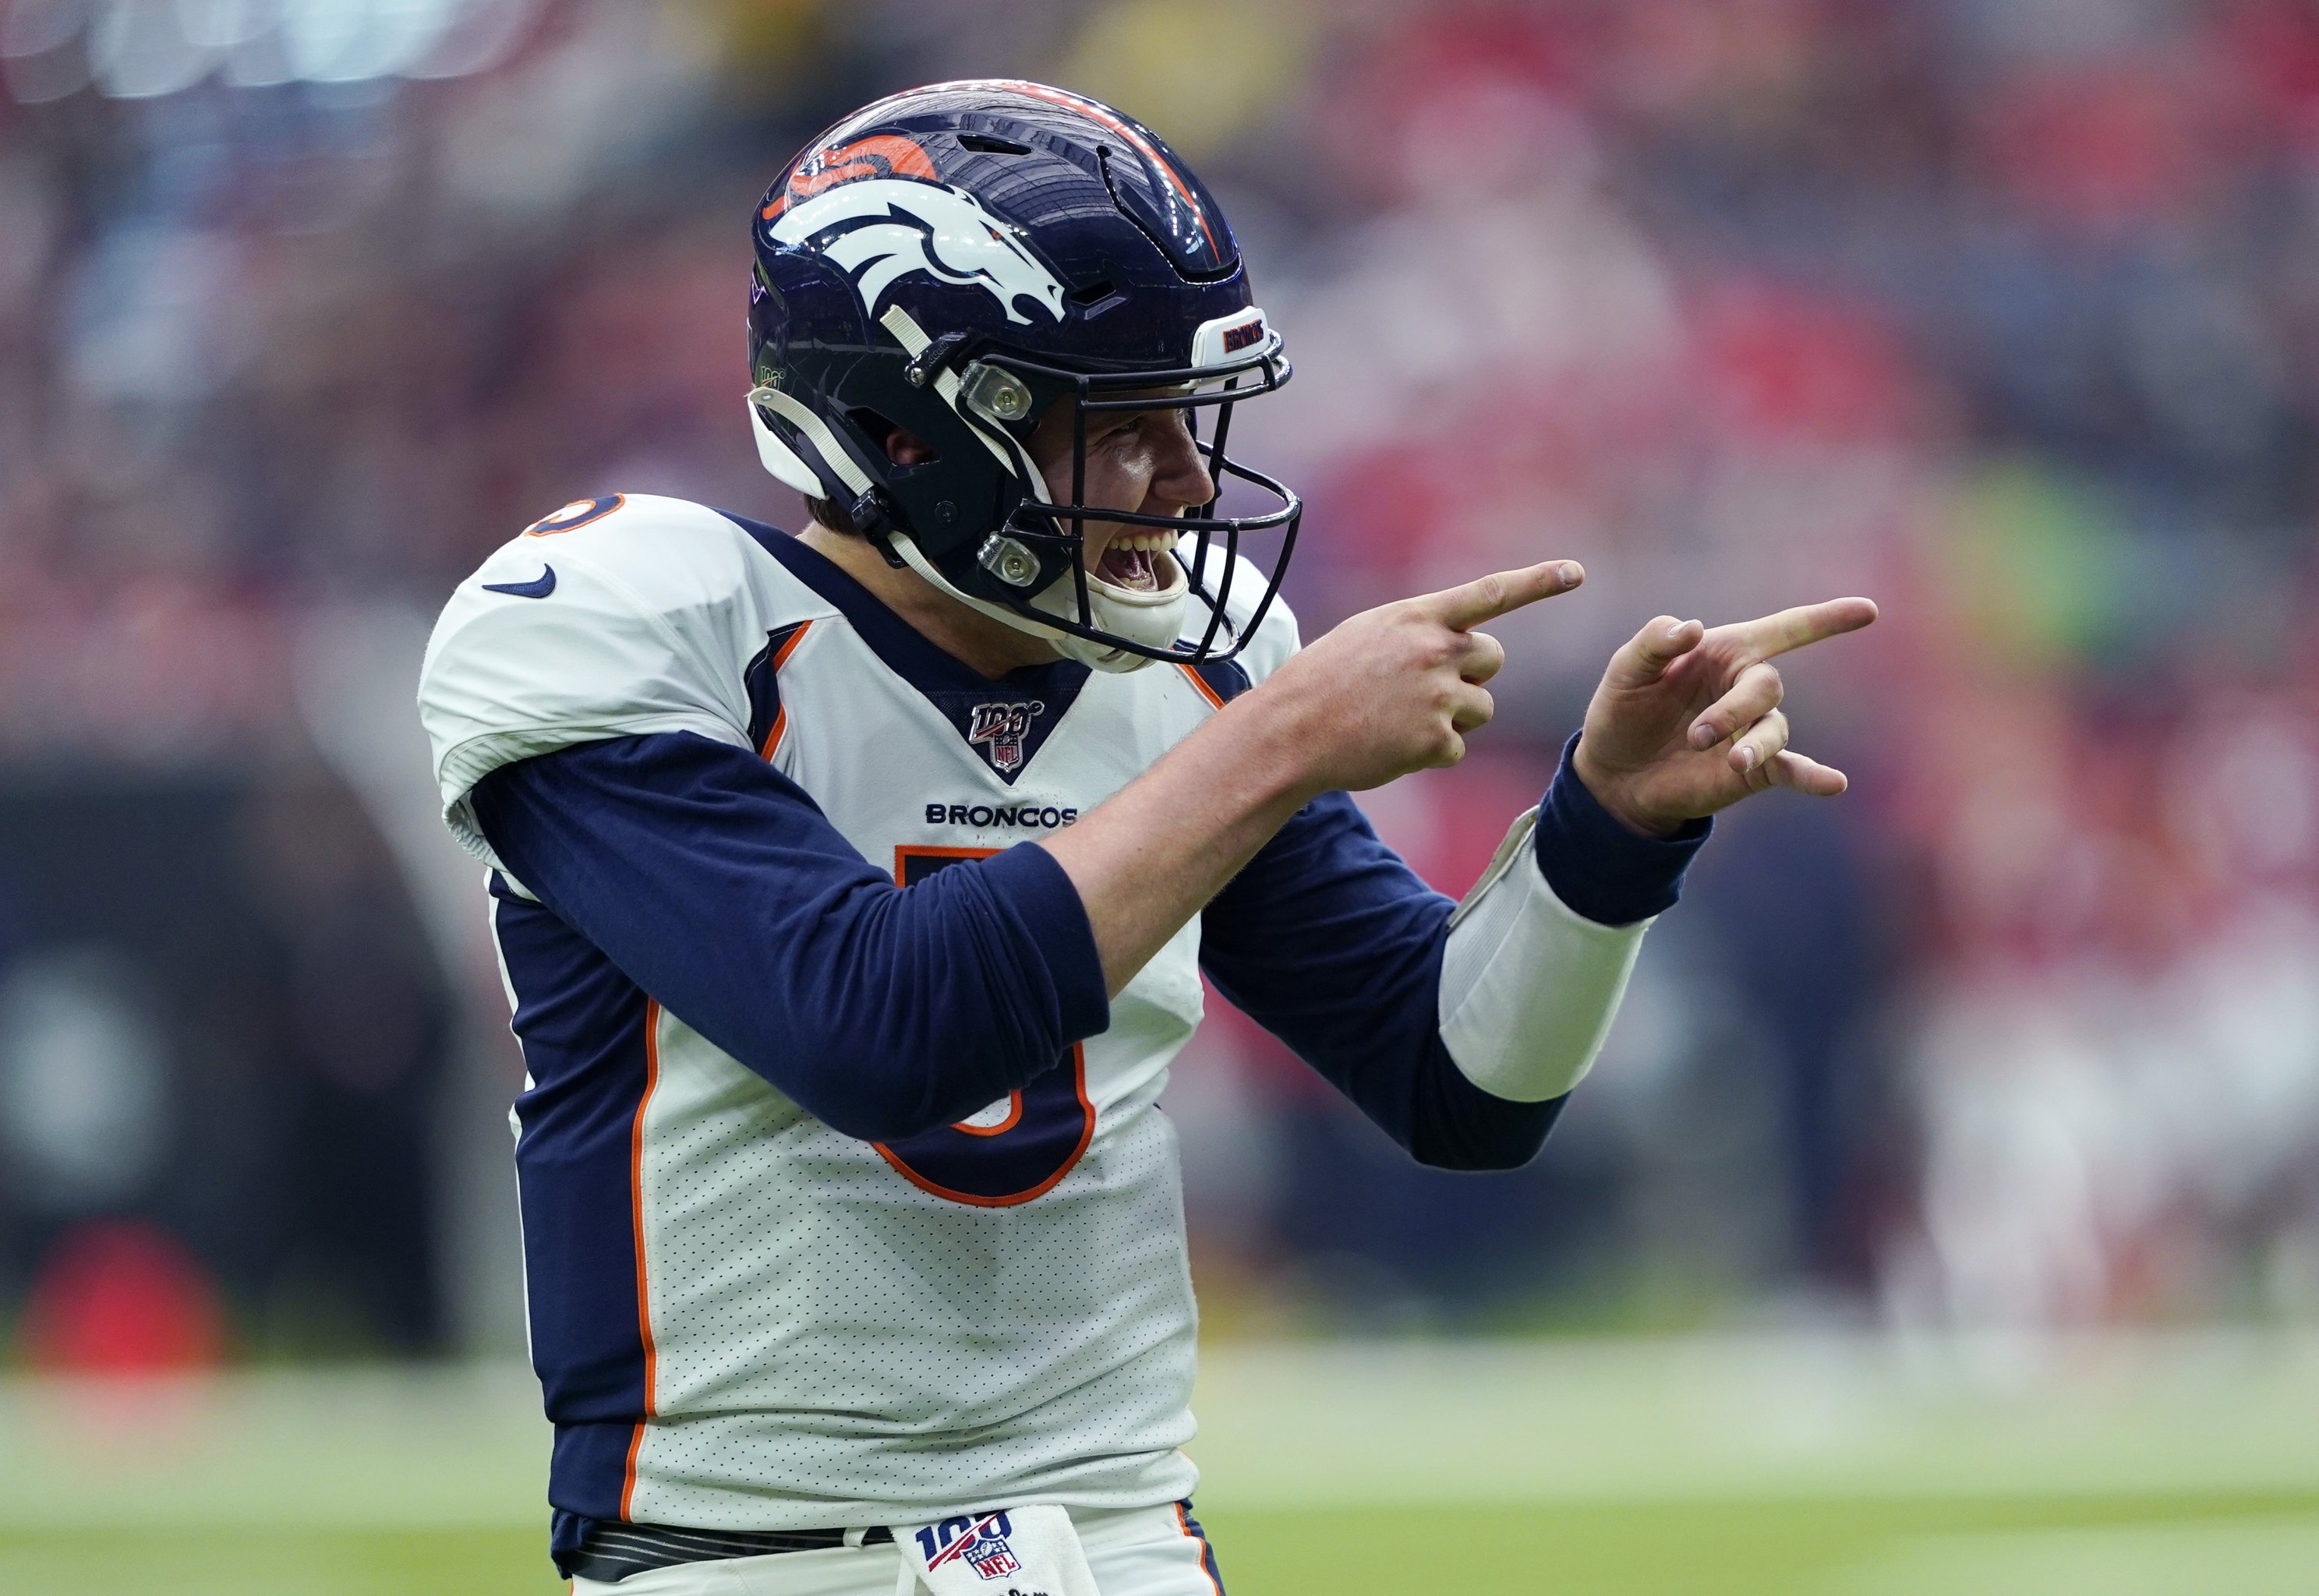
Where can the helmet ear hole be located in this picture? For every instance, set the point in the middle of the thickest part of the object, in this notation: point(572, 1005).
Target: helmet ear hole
point(905, 449)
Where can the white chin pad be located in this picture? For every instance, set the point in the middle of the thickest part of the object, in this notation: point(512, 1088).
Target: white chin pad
point(1153, 617)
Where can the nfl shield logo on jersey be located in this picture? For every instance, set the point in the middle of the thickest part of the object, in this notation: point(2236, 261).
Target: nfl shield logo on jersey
point(980, 1545)
point(1023, 1551)
point(989, 1554)
point(999, 730)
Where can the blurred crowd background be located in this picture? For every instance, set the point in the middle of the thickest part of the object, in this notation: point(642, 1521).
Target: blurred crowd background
point(2003, 312)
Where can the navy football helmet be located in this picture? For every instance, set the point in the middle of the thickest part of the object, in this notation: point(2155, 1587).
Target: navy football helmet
point(954, 261)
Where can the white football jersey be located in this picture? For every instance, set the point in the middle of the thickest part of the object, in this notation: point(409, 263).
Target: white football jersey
point(744, 1318)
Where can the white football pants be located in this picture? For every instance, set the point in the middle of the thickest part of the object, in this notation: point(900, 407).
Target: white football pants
point(1139, 1552)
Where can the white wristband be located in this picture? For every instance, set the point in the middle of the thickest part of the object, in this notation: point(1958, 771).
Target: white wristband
point(1528, 985)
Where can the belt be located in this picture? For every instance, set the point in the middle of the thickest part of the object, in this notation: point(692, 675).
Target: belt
point(614, 1551)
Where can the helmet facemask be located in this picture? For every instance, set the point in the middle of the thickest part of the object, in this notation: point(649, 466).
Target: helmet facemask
point(1030, 569)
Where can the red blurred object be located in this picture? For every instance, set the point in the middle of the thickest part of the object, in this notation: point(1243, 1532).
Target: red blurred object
point(122, 1297)
point(2132, 142)
point(1789, 363)
point(2273, 45)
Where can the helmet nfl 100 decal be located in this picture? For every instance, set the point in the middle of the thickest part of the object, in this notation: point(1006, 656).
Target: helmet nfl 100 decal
point(956, 260)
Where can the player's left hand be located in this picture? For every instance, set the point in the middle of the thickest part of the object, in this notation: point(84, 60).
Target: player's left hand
point(1687, 719)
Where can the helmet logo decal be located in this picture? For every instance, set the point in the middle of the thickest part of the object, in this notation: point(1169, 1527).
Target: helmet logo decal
point(886, 228)
point(881, 155)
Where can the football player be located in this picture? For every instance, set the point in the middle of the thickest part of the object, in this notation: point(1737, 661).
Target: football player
point(853, 888)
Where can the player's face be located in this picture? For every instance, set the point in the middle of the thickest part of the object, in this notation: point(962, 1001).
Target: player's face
point(1140, 460)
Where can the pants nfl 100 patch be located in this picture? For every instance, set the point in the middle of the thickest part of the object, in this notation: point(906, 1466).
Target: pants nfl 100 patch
point(1139, 1552)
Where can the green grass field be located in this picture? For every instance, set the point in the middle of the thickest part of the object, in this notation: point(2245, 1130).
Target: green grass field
point(1814, 1467)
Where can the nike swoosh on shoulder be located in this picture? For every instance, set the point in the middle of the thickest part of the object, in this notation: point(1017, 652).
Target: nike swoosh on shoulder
point(539, 588)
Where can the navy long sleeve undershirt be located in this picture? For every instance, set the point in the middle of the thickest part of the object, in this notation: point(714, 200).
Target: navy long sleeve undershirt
point(1330, 942)
point(719, 888)
point(1334, 945)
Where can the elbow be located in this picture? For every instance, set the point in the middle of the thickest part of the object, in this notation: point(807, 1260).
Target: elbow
point(876, 1100)
point(870, 1121)
point(888, 1092)
point(1495, 1135)
point(877, 1114)
point(1462, 1159)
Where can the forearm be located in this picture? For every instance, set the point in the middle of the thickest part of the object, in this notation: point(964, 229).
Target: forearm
point(1330, 942)
point(1457, 1040)
point(1150, 856)
point(1528, 986)
point(1539, 954)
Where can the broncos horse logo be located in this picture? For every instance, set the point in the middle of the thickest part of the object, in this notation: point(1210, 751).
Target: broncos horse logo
point(883, 214)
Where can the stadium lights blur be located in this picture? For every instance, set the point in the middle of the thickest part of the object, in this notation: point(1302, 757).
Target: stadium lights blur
point(130, 50)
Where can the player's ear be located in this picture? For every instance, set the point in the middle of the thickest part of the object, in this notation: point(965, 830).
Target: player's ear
point(908, 448)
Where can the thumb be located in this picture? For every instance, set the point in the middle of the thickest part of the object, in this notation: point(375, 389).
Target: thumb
point(1643, 658)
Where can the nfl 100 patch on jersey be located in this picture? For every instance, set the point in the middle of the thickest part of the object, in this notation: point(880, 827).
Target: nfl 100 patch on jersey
point(1030, 1551)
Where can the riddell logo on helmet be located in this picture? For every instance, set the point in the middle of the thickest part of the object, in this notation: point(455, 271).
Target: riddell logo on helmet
point(1237, 339)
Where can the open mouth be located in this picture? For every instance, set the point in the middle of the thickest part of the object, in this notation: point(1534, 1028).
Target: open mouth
point(1131, 560)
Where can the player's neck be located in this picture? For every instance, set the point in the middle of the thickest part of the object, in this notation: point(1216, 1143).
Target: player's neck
point(985, 646)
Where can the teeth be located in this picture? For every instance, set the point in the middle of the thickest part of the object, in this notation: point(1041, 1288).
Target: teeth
point(1151, 542)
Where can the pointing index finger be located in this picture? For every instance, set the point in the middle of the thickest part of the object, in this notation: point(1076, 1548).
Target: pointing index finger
point(1806, 624)
point(1487, 598)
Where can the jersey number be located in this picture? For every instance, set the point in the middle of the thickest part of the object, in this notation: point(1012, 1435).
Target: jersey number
point(1018, 1155)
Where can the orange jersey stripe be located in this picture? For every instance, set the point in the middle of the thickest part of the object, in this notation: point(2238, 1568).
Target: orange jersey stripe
point(637, 1202)
point(1200, 1546)
point(781, 716)
point(1201, 682)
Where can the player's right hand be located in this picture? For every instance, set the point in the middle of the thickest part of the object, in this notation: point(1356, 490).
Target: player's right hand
point(1396, 689)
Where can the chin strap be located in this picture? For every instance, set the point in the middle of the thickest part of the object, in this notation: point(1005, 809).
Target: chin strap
point(1088, 653)
point(1153, 617)
point(1166, 609)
